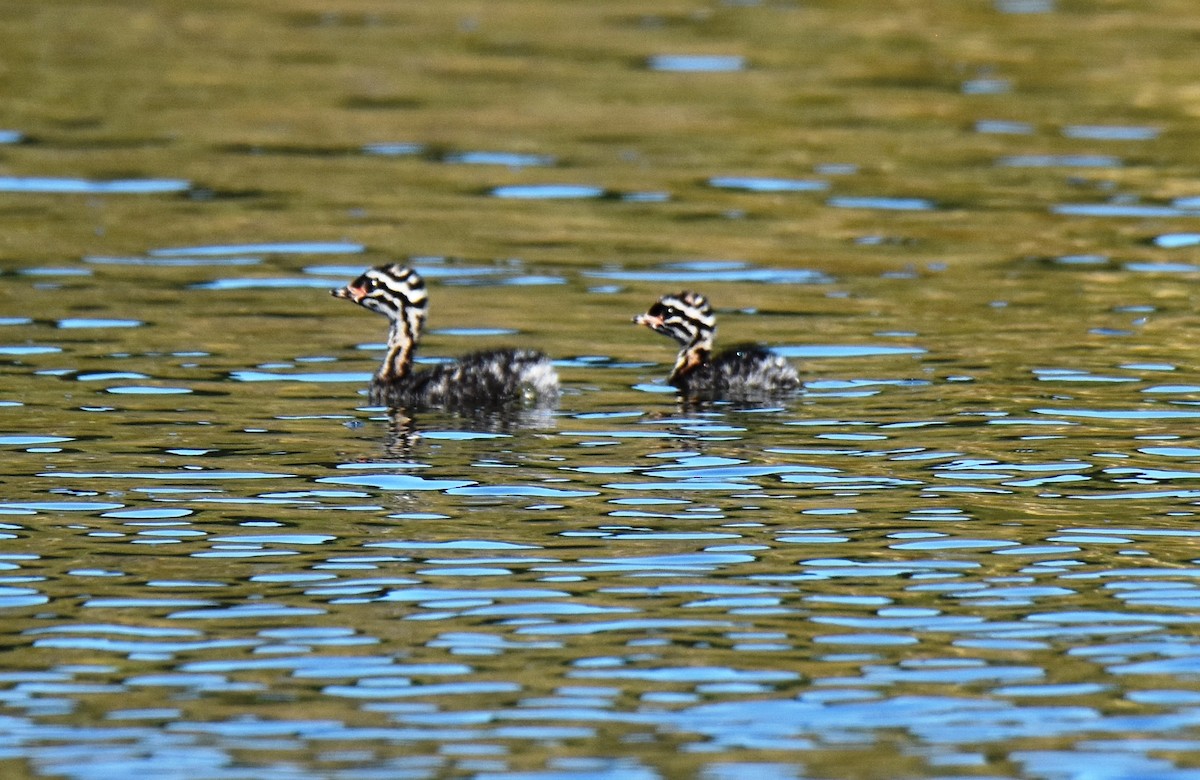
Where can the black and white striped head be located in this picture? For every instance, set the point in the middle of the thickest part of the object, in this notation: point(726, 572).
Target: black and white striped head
point(686, 317)
point(395, 291)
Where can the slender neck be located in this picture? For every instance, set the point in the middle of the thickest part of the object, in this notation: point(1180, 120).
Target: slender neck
point(692, 356)
point(397, 361)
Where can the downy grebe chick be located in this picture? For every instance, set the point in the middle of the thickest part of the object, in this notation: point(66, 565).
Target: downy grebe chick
point(478, 380)
point(746, 371)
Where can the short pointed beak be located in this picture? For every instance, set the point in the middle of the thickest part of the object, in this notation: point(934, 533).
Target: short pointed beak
point(651, 322)
point(355, 294)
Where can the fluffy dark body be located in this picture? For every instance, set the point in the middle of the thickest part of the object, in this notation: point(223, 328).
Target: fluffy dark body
point(476, 381)
point(745, 372)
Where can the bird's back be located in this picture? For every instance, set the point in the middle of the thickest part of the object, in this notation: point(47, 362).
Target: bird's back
point(745, 371)
point(477, 380)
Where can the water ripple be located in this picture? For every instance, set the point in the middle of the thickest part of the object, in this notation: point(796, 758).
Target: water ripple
point(880, 202)
point(398, 482)
point(716, 271)
point(46, 184)
point(285, 247)
point(696, 63)
point(1060, 161)
point(1111, 132)
point(755, 184)
point(548, 192)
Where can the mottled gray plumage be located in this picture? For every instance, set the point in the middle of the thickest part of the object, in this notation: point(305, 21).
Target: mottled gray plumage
point(743, 372)
point(476, 381)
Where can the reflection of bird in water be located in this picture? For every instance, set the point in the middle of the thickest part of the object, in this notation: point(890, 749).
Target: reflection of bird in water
point(742, 372)
point(404, 432)
point(479, 380)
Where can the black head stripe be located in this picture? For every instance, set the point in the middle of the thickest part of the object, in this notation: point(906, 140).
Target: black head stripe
point(395, 291)
point(399, 282)
point(686, 317)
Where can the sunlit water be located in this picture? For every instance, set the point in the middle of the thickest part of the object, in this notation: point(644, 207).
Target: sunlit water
point(966, 548)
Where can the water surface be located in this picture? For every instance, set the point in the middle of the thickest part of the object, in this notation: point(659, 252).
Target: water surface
point(965, 549)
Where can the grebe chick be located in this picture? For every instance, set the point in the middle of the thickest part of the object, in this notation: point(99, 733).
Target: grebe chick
point(479, 380)
point(746, 371)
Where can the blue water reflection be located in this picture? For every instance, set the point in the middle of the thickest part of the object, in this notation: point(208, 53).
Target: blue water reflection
point(755, 184)
point(548, 192)
point(1111, 132)
point(508, 159)
point(1060, 161)
point(696, 63)
point(286, 247)
point(880, 202)
point(965, 547)
point(715, 271)
point(68, 186)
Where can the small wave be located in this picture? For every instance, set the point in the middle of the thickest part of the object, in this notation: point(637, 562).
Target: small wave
point(45, 184)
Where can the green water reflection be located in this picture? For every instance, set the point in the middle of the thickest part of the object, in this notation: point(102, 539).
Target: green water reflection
point(965, 549)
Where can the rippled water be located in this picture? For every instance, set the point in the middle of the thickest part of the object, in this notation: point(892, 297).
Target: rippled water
point(967, 548)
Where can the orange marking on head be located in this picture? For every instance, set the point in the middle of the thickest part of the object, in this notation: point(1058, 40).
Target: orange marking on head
point(654, 323)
